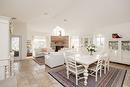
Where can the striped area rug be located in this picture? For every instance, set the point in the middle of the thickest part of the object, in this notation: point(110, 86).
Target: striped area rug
point(113, 78)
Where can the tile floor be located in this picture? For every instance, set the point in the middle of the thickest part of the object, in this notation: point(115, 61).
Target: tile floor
point(30, 74)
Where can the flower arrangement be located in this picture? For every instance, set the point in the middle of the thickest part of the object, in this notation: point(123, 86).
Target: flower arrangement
point(91, 48)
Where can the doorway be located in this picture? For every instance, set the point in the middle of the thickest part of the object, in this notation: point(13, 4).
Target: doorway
point(16, 46)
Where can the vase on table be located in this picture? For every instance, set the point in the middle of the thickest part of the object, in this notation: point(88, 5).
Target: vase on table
point(91, 52)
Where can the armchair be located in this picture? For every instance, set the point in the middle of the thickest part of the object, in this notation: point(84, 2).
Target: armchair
point(54, 59)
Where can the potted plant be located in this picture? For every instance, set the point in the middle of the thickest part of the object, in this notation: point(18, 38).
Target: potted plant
point(91, 48)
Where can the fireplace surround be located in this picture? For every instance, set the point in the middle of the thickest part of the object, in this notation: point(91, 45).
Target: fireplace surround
point(58, 42)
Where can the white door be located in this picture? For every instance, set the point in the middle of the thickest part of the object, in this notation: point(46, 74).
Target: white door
point(16, 46)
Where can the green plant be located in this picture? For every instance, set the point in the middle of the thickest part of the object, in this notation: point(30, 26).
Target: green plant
point(91, 48)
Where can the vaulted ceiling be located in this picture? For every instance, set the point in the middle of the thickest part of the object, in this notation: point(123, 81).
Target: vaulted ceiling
point(28, 9)
point(70, 14)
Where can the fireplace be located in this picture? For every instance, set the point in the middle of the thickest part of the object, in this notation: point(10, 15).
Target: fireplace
point(58, 42)
point(58, 48)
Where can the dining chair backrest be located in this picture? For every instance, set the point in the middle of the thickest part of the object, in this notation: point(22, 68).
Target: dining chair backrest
point(106, 61)
point(71, 63)
point(106, 57)
point(74, 68)
point(99, 64)
point(66, 59)
point(66, 55)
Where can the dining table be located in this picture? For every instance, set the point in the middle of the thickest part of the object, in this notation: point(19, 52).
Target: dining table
point(85, 60)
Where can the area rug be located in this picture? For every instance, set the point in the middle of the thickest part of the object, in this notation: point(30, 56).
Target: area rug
point(40, 60)
point(113, 78)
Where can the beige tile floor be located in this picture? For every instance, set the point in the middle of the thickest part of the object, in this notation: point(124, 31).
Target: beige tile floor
point(30, 74)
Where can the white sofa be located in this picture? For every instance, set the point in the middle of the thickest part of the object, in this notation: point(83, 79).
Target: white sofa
point(54, 59)
point(39, 52)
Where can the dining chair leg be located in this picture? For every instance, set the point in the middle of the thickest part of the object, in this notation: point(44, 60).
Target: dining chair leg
point(76, 79)
point(105, 68)
point(100, 72)
point(108, 67)
point(96, 76)
point(67, 74)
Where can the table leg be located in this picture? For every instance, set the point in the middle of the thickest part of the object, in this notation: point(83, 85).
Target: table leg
point(86, 74)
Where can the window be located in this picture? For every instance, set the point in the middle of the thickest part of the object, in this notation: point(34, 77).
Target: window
point(58, 31)
point(39, 42)
point(75, 41)
point(15, 43)
point(99, 41)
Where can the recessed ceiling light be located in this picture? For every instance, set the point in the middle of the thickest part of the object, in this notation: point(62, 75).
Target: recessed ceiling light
point(45, 13)
point(65, 20)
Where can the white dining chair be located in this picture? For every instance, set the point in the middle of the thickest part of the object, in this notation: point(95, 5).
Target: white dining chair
point(106, 62)
point(73, 67)
point(95, 68)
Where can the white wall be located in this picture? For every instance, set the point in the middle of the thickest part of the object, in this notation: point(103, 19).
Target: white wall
point(83, 17)
point(20, 29)
point(123, 29)
point(4, 45)
point(4, 39)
